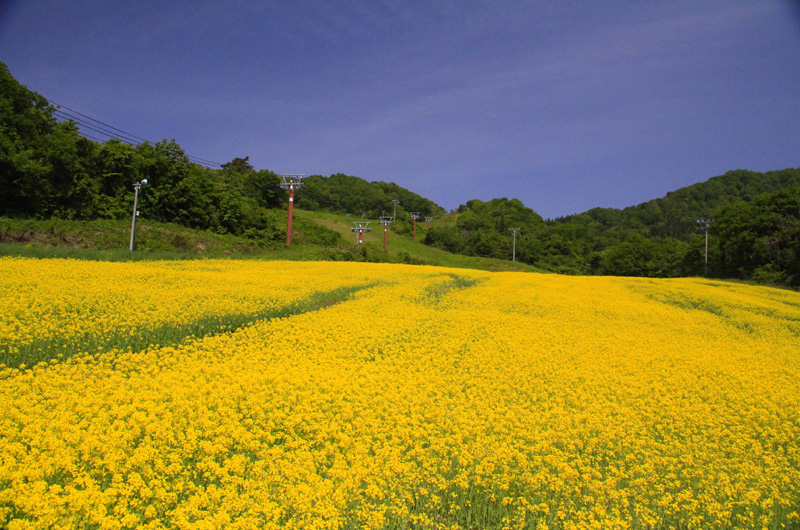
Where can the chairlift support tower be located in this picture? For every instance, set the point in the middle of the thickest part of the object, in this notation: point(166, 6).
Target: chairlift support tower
point(428, 220)
point(415, 216)
point(291, 182)
point(360, 227)
point(385, 222)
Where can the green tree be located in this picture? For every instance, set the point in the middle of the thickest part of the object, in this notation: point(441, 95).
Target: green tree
point(447, 238)
point(115, 167)
point(26, 123)
point(634, 257)
point(738, 227)
point(167, 196)
point(239, 165)
point(761, 240)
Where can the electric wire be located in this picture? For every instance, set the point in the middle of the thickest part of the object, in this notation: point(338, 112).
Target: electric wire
point(107, 130)
point(90, 127)
point(84, 121)
point(90, 137)
point(58, 107)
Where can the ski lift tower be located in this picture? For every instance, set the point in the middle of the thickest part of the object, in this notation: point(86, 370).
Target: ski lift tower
point(360, 227)
point(514, 252)
point(291, 182)
point(385, 222)
point(428, 220)
point(415, 216)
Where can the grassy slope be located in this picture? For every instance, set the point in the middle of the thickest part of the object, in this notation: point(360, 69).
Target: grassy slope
point(399, 244)
point(108, 240)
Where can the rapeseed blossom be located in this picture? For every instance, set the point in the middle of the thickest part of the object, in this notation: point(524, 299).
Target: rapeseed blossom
point(430, 398)
point(52, 305)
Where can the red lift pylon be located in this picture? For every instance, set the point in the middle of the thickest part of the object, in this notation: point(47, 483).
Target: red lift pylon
point(385, 222)
point(291, 182)
point(360, 227)
point(415, 216)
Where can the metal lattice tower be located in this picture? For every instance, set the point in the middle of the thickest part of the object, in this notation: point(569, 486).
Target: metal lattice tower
point(291, 182)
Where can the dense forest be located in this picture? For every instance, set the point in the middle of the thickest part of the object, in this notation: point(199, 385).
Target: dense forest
point(49, 170)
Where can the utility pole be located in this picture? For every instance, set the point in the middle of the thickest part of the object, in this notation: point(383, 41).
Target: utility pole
point(514, 252)
point(705, 224)
point(360, 227)
point(291, 182)
point(395, 201)
point(136, 187)
point(415, 216)
point(385, 222)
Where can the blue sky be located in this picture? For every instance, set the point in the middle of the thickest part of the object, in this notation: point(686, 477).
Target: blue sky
point(566, 105)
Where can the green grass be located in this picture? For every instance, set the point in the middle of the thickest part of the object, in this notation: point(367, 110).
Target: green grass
point(112, 237)
point(108, 240)
point(401, 248)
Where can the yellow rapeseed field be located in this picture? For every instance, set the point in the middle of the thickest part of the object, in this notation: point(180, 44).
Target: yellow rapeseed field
point(70, 304)
point(424, 398)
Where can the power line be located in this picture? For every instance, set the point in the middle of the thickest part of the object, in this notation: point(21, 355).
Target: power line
point(97, 121)
point(87, 122)
point(209, 162)
point(90, 137)
point(68, 117)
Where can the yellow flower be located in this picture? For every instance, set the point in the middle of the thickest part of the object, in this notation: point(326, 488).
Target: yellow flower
point(433, 397)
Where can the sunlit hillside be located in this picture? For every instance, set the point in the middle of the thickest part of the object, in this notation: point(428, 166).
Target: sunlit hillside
point(254, 394)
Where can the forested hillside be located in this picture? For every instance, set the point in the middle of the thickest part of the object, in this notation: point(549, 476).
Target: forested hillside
point(48, 170)
point(755, 235)
point(675, 215)
point(665, 231)
point(348, 194)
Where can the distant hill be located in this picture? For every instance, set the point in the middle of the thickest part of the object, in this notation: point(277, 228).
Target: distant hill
point(353, 195)
point(675, 215)
point(756, 235)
